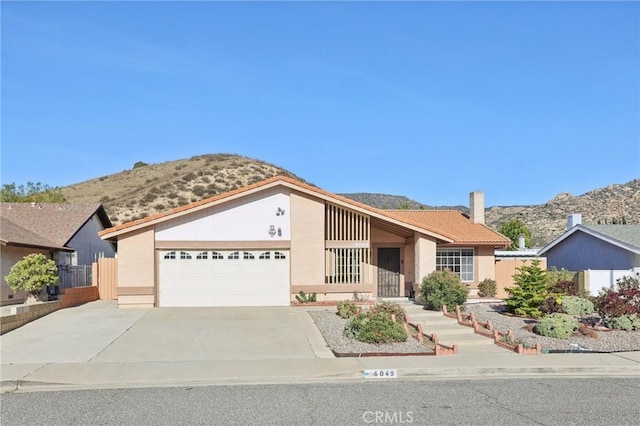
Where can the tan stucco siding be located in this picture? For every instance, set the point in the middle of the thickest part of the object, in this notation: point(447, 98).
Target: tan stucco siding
point(425, 256)
point(136, 266)
point(307, 240)
point(484, 264)
point(9, 256)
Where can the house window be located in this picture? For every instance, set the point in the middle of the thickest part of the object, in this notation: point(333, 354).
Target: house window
point(265, 255)
point(457, 260)
point(216, 255)
point(248, 255)
point(234, 256)
point(347, 265)
point(203, 255)
point(170, 255)
point(279, 255)
point(184, 255)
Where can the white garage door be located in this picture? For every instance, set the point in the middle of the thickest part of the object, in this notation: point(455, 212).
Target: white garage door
point(224, 278)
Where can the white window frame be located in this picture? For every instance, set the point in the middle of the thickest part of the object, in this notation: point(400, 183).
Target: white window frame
point(453, 259)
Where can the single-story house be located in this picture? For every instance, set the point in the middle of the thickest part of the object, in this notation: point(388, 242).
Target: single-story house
point(598, 247)
point(65, 232)
point(262, 244)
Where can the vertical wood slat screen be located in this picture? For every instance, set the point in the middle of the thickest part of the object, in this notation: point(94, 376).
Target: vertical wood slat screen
point(347, 265)
point(345, 225)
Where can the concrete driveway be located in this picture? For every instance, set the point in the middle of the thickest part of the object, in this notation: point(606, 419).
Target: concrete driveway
point(99, 332)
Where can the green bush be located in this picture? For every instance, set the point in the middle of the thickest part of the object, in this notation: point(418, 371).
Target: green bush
point(529, 292)
point(391, 308)
point(347, 309)
point(379, 328)
point(574, 305)
point(628, 322)
point(559, 326)
point(354, 324)
point(443, 288)
point(487, 288)
point(32, 274)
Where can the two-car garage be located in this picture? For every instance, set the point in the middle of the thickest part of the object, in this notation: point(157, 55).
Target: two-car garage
point(223, 278)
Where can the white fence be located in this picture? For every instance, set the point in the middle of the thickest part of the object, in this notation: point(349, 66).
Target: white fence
point(598, 279)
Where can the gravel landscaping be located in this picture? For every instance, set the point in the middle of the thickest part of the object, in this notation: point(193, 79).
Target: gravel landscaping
point(606, 341)
point(331, 327)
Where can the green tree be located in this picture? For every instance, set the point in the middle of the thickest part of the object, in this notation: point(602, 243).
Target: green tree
point(30, 193)
point(32, 273)
point(139, 164)
point(529, 292)
point(513, 229)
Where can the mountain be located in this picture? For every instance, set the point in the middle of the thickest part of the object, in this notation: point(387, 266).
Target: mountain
point(151, 188)
point(619, 203)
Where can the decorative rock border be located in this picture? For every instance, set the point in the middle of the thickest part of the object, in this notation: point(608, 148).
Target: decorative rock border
point(486, 329)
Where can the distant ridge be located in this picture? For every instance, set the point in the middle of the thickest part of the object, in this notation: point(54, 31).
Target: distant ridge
point(151, 188)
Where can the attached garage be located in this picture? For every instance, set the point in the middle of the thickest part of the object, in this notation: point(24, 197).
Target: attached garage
point(223, 278)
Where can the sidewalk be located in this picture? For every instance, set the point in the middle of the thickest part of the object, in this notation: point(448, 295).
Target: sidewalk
point(154, 374)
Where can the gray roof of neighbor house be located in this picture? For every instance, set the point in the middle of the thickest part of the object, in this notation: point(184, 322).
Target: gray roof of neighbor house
point(12, 234)
point(55, 223)
point(624, 236)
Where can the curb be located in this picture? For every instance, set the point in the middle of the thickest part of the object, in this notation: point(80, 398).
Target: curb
point(475, 373)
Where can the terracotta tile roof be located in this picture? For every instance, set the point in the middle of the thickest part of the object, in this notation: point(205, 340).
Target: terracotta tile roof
point(15, 235)
point(456, 224)
point(56, 223)
point(437, 228)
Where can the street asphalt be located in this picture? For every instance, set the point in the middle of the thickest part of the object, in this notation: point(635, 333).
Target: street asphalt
point(97, 345)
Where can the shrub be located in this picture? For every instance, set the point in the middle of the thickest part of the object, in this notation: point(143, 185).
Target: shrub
point(551, 305)
point(624, 322)
point(564, 287)
point(529, 292)
point(628, 282)
point(379, 328)
point(443, 288)
point(555, 275)
point(32, 273)
point(302, 297)
point(611, 303)
point(354, 324)
point(487, 288)
point(559, 326)
point(391, 308)
point(347, 308)
point(574, 305)
point(139, 164)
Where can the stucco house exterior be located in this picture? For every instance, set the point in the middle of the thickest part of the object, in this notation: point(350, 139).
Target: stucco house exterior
point(598, 247)
point(67, 233)
point(262, 244)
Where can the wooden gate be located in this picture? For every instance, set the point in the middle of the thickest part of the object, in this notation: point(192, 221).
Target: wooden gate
point(105, 277)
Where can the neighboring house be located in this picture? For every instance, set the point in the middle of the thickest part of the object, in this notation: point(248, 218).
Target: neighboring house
point(67, 233)
point(598, 247)
point(262, 244)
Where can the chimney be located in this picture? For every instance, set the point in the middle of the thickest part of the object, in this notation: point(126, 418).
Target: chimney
point(573, 220)
point(476, 207)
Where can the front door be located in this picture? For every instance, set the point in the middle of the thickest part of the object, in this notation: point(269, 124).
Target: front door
point(388, 272)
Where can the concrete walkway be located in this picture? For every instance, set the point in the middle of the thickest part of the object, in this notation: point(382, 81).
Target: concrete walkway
point(449, 332)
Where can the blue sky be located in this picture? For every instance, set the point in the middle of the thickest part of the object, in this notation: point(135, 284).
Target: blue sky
point(431, 100)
